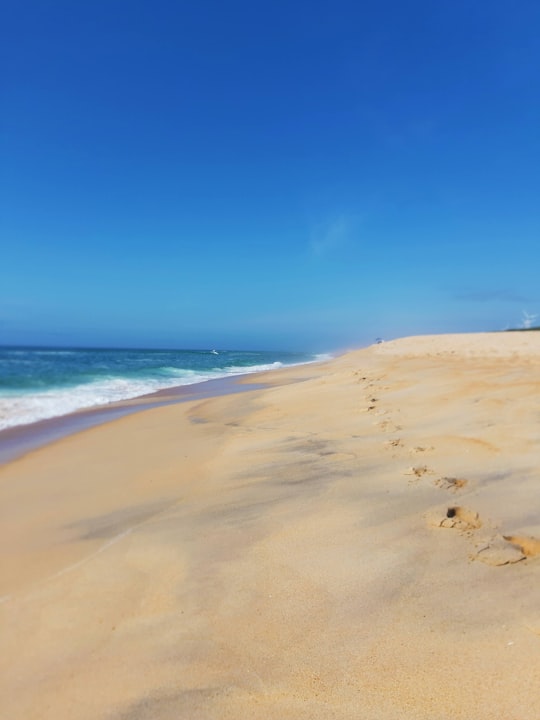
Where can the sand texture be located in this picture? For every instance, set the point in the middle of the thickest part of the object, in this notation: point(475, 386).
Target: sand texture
point(361, 539)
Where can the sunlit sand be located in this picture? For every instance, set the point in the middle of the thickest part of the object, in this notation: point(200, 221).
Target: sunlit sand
point(360, 539)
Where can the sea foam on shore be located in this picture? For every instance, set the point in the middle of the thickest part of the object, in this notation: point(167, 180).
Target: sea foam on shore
point(41, 383)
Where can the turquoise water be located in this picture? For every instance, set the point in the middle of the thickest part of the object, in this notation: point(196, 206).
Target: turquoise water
point(40, 383)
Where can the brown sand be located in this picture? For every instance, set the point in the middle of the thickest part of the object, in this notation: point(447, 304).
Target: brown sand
point(361, 543)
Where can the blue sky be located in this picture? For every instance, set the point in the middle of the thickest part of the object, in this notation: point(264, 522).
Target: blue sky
point(289, 175)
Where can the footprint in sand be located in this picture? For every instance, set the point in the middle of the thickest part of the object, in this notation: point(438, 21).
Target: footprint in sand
point(388, 426)
point(457, 518)
point(395, 443)
point(372, 405)
point(497, 552)
point(419, 471)
point(451, 483)
point(420, 449)
point(507, 549)
point(529, 546)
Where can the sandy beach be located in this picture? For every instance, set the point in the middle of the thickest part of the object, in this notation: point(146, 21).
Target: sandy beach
point(359, 539)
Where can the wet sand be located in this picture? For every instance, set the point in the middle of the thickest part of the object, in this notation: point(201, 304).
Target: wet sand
point(359, 539)
point(18, 440)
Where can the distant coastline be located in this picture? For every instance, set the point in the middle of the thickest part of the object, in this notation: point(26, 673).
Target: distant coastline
point(531, 329)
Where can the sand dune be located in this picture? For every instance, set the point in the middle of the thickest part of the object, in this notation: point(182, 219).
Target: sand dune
point(361, 539)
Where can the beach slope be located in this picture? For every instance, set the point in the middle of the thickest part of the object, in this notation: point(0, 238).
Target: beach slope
point(361, 538)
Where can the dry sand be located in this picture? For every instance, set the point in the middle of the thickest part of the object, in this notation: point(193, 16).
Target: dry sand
point(359, 540)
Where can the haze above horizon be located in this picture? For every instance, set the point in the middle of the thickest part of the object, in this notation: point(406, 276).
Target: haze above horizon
point(292, 175)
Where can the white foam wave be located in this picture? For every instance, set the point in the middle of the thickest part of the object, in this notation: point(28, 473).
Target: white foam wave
point(240, 370)
point(322, 357)
point(23, 409)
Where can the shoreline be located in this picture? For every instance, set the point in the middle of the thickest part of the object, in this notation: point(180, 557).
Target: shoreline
point(358, 536)
point(17, 440)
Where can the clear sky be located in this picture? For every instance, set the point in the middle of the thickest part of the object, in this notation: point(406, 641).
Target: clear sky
point(287, 174)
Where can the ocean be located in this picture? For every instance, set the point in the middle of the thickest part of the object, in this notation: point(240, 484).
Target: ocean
point(40, 383)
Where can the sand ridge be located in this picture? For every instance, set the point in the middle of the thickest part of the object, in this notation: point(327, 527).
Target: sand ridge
point(360, 539)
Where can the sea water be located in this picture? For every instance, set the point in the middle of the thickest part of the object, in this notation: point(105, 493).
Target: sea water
point(40, 383)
